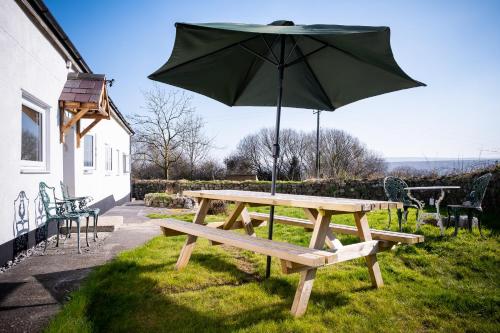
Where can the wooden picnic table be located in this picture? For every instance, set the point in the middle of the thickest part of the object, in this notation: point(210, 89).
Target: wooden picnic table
point(294, 258)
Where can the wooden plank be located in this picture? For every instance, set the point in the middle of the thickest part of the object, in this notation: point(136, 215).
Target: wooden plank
point(188, 247)
point(302, 201)
point(236, 225)
point(344, 229)
point(331, 241)
point(247, 223)
point(169, 232)
point(303, 292)
point(90, 126)
point(306, 281)
point(357, 250)
point(288, 267)
point(346, 253)
point(286, 251)
point(75, 118)
point(371, 260)
point(231, 218)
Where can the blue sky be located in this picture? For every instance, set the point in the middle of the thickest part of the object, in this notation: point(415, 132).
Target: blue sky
point(452, 46)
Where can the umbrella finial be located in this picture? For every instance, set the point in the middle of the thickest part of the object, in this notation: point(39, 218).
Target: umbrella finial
point(282, 23)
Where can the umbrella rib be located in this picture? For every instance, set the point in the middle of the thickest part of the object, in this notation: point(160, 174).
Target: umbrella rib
point(207, 55)
point(358, 58)
point(257, 54)
point(246, 81)
point(314, 76)
point(269, 47)
point(296, 61)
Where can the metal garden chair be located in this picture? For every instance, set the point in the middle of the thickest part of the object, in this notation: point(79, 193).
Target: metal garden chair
point(471, 204)
point(55, 210)
point(395, 191)
point(81, 208)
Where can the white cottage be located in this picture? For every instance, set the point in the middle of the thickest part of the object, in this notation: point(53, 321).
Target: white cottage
point(58, 124)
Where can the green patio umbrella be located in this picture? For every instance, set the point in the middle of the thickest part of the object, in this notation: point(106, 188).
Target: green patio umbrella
point(319, 66)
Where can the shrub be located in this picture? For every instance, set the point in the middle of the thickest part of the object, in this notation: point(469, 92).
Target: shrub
point(158, 200)
point(216, 207)
point(166, 200)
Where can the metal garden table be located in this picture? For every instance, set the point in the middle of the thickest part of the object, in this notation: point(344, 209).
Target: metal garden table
point(421, 203)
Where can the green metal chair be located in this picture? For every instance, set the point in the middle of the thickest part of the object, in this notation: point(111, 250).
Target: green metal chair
point(56, 210)
point(471, 204)
point(82, 207)
point(394, 189)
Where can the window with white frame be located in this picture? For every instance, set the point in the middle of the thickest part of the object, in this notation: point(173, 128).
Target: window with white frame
point(117, 162)
point(126, 163)
point(34, 151)
point(89, 151)
point(109, 158)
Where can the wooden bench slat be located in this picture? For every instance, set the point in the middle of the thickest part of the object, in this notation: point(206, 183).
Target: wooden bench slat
point(285, 251)
point(344, 229)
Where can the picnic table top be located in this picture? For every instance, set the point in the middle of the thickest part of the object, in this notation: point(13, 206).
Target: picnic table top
point(294, 200)
point(435, 187)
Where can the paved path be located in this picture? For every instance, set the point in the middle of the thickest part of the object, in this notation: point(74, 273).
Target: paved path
point(33, 291)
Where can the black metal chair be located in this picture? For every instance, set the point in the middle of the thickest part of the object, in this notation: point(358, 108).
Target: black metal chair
point(395, 191)
point(471, 204)
point(56, 210)
point(82, 207)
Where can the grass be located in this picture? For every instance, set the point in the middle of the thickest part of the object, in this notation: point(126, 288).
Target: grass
point(445, 284)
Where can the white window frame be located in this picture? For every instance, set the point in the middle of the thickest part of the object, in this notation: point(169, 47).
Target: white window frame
point(118, 162)
point(90, 169)
point(37, 105)
point(108, 154)
point(126, 163)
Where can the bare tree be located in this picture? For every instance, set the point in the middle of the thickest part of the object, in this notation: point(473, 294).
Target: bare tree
point(160, 130)
point(195, 144)
point(342, 155)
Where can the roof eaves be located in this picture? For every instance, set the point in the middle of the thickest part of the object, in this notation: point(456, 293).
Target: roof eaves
point(43, 12)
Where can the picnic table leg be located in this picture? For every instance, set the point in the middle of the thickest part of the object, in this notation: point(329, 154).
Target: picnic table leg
point(188, 247)
point(233, 216)
point(371, 260)
point(331, 240)
point(306, 282)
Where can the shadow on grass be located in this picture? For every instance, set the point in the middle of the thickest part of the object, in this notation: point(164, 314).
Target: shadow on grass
point(214, 263)
point(120, 297)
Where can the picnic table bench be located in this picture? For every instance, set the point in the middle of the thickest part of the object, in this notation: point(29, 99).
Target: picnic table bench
point(294, 258)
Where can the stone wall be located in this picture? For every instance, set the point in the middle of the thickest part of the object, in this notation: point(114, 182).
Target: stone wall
point(360, 189)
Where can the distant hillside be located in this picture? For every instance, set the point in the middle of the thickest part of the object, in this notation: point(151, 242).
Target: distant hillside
point(441, 166)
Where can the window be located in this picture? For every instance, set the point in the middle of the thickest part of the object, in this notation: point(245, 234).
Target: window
point(34, 152)
point(88, 151)
point(117, 162)
point(109, 158)
point(126, 163)
point(32, 135)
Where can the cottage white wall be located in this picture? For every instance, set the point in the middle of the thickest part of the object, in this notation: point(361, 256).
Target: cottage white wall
point(105, 187)
point(27, 61)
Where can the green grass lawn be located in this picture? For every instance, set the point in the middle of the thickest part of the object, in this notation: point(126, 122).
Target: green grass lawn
point(445, 284)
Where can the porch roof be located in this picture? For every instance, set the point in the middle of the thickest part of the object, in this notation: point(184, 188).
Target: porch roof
point(84, 96)
point(85, 91)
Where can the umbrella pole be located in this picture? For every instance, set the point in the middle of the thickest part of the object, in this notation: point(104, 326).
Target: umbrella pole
point(276, 146)
point(317, 144)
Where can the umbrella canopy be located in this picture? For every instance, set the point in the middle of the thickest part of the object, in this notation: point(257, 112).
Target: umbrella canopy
point(326, 66)
point(318, 66)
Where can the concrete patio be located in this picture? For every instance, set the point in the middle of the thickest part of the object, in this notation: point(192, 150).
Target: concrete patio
point(33, 290)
